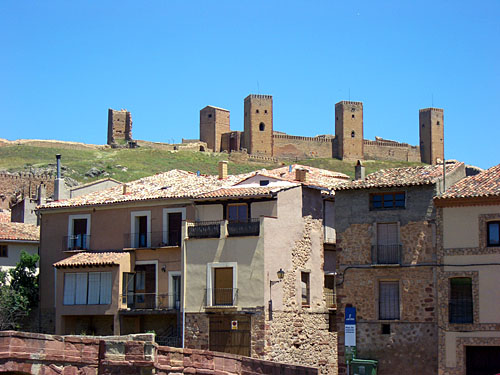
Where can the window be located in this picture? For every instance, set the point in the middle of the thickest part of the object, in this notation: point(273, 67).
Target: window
point(493, 233)
point(172, 225)
point(209, 115)
point(389, 300)
point(305, 285)
point(387, 201)
point(265, 111)
point(237, 212)
point(438, 123)
point(460, 308)
point(256, 111)
point(262, 126)
point(139, 287)
point(264, 182)
point(352, 116)
point(79, 232)
point(221, 284)
point(174, 289)
point(140, 224)
point(82, 288)
point(353, 134)
point(387, 250)
point(4, 253)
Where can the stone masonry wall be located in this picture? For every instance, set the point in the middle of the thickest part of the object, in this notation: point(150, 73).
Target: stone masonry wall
point(196, 336)
point(410, 346)
point(11, 184)
point(300, 334)
point(36, 354)
point(377, 150)
point(302, 147)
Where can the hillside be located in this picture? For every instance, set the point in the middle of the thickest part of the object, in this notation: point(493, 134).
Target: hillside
point(130, 164)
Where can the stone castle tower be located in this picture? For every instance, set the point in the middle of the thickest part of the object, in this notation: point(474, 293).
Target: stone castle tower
point(431, 135)
point(349, 130)
point(214, 122)
point(119, 126)
point(258, 124)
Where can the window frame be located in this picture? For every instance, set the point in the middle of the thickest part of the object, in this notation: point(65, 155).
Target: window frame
point(380, 301)
point(71, 219)
point(75, 284)
point(211, 279)
point(133, 230)
point(171, 291)
point(453, 313)
point(307, 301)
point(4, 250)
point(234, 205)
point(488, 243)
point(394, 200)
point(167, 211)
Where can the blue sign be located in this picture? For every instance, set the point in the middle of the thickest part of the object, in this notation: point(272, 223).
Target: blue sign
point(350, 316)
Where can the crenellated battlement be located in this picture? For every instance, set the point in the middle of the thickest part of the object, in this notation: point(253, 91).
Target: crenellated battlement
point(301, 138)
point(258, 96)
point(431, 109)
point(388, 144)
point(348, 102)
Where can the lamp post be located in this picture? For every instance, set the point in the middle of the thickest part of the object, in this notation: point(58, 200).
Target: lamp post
point(280, 274)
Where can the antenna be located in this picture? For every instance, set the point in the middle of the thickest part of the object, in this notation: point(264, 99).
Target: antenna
point(432, 100)
point(349, 94)
point(258, 89)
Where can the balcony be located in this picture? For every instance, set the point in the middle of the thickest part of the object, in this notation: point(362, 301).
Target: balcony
point(331, 299)
point(152, 239)
point(204, 229)
point(151, 301)
point(76, 242)
point(386, 254)
point(221, 297)
point(249, 227)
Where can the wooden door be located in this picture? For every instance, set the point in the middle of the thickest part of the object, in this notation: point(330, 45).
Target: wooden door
point(228, 338)
point(223, 286)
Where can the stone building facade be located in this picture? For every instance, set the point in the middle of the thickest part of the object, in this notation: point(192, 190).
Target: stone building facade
point(119, 126)
point(386, 261)
point(258, 137)
point(468, 294)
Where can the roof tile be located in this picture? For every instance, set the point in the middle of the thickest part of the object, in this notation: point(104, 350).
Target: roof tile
point(484, 184)
point(93, 259)
point(19, 232)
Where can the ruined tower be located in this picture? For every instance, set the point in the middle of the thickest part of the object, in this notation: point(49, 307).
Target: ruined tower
point(349, 130)
point(119, 126)
point(214, 122)
point(431, 127)
point(258, 124)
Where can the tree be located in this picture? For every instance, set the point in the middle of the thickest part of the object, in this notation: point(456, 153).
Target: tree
point(21, 295)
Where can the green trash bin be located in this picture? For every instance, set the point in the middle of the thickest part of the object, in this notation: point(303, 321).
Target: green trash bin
point(363, 366)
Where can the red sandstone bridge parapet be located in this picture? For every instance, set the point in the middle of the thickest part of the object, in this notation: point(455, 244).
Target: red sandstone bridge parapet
point(39, 354)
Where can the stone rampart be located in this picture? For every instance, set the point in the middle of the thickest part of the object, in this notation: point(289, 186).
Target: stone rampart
point(38, 354)
point(23, 183)
point(295, 146)
point(383, 150)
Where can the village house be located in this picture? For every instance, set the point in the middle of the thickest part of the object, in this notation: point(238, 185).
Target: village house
point(14, 238)
point(241, 264)
point(468, 282)
point(386, 264)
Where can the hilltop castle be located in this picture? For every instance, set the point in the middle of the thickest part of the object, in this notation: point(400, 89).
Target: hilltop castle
point(259, 138)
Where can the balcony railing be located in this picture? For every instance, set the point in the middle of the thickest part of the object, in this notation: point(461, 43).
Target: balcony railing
point(386, 254)
point(221, 297)
point(204, 229)
point(152, 239)
point(151, 301)
point(331, 299)
point(248, 227)
point(76, 242)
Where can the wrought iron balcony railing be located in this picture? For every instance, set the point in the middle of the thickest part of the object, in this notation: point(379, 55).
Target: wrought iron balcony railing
point(76, 242)
point(152, 239)
point(138, 300)
point(386, 254)
point(246, 227)
point(331, 299)
point(204, 229)
point(221, 297)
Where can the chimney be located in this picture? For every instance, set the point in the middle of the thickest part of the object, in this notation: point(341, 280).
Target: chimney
point(60, 190)
point(359, 171)
point(124, 189)
point(301, 174)
point(42, 194)
point(222, 170)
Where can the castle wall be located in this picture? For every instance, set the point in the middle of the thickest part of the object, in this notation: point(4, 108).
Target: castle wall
point(25, 183)
point(379, 150)
point(302, 147)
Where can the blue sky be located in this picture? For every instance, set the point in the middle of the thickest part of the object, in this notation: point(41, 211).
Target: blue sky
point(65, 63)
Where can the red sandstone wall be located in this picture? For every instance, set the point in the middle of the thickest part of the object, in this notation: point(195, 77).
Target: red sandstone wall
point(302, 147)
point(37, 354)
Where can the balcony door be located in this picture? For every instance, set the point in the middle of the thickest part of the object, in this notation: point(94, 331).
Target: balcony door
point(387, 243)
point(174, 228)
point(145, 286)
point(223, 286)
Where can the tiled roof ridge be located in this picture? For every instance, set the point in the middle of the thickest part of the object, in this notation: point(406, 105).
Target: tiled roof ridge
point(484, 184)
point(19, 231)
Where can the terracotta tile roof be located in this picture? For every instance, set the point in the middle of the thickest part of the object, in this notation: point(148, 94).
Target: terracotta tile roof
point(315, 176)
point(243, 192)
point(93, 259)
point(19, 232)
point(484, 184)
point(172, 184)
point(407, 176)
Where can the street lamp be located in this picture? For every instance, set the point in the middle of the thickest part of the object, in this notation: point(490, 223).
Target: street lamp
point(280, 275)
